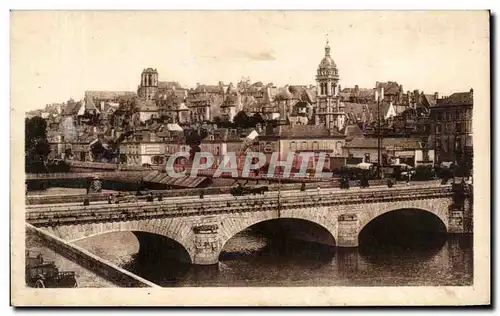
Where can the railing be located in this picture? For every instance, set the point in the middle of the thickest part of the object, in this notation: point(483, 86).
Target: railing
point(105, 165)
point(43, 199)
point(83, 175)
point(56, 216)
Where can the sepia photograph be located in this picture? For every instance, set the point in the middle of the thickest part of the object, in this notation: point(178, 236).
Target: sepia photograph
point(250, 158)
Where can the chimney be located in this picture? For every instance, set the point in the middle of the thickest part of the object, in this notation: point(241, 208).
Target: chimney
point(471, 90)
point(436, 95)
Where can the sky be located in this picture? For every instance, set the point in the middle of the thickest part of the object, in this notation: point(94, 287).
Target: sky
point(56, 55)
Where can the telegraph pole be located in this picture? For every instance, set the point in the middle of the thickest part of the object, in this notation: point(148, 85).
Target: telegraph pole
point(279, 180)
point(379, 134)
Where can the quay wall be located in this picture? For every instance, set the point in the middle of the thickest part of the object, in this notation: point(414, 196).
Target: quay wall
point(101, 267)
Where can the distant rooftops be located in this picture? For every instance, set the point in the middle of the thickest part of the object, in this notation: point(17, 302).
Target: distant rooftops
point(457, 99)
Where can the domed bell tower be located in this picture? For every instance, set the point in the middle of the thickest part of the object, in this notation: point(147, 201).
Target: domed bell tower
point(329, 110)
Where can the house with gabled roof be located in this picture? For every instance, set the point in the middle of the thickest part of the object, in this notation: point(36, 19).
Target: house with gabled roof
point(412, 151)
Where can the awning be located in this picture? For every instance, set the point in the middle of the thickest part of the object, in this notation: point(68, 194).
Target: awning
point(405, 154)
point(364, 165)
point(164, 178)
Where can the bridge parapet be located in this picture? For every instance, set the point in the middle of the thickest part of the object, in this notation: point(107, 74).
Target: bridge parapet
point(134, 211)
point(38, 200)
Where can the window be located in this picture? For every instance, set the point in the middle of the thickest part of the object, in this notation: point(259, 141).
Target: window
point(339, 146)
point(425, 155)
point(445, 145)
point(438, 128)
point(438, 144)
point(315, 145)
point(304, 145)
point(367, 157)
point(457, 115)
point(439, 116)
point(458, 127)
point(293, 146)
point(458, 143)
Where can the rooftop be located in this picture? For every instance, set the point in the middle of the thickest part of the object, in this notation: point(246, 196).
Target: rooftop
point(403, 143)
point(304, 131)
point(458, 98)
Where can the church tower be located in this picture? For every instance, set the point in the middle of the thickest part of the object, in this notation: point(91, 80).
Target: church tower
point(329, 110)
point(149, 84)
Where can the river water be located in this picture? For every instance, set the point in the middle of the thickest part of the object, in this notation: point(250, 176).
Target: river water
point(250, 259)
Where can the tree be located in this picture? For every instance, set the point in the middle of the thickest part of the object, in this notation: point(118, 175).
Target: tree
point(242, 120)
point(217, 120)
point(97, 150)
point(193, 139)
point(36, 145)
point(257, 119)
point(68, 153)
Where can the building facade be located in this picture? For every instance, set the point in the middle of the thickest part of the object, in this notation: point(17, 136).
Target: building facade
point(299, 139)
point(451, 132)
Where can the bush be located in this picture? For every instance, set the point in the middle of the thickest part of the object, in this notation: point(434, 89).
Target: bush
point(424, 173)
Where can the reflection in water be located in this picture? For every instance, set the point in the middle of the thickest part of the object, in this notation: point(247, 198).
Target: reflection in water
point(252, 260)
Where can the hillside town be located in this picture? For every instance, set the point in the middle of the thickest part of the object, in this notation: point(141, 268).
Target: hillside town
point(383, 124)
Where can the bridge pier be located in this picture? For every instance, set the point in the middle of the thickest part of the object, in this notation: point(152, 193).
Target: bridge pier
point(207, 246)
point(348, 230)
point(456, 220)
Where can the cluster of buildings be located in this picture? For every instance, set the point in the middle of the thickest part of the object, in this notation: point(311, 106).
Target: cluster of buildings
point(160, 118)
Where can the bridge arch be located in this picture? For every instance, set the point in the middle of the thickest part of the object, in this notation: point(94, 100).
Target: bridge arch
point(173, 229)
point(231, 227)
point(437, 207)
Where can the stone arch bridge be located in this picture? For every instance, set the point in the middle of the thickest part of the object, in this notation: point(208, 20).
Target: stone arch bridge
point(203, 227)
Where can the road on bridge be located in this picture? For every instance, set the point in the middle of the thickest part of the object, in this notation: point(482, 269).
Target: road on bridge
point(323, 192)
